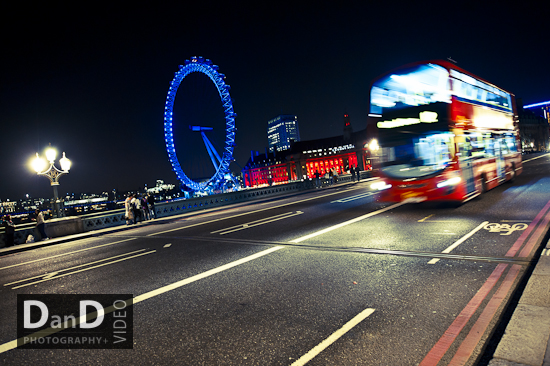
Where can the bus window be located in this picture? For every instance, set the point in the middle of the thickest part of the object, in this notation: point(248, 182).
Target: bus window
point(478, 145)
point(489, 146)
point(420, 157)
point(511, 142)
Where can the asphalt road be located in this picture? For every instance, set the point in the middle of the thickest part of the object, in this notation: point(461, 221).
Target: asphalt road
point(328, 277)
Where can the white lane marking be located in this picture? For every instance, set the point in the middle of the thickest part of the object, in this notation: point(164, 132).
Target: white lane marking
point(252, 222)
point(460, 241)
point(320, 232)
point(167, 245)
point(200, 276)
point(353, 198)
point(79, 266)
point(333, 338)
point(84, 269)
point(249, 225)
point(538, 157)
point(59, 255)
point(13, 344)
point(250, 212)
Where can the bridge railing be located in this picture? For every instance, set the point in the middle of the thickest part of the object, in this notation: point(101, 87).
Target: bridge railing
point(112, 218)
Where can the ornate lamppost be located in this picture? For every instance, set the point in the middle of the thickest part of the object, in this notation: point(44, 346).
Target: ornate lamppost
point(52, 173)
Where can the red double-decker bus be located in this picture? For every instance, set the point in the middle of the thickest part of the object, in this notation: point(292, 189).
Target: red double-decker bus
point(443, 133)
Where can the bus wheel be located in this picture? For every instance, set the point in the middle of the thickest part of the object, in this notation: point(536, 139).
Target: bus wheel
point(483, 184)
point(513, 172)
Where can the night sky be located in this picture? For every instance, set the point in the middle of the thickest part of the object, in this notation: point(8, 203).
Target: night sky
point(93, 81)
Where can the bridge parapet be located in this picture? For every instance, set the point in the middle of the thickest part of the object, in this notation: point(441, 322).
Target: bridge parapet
point(96, 221)
point(102, 220)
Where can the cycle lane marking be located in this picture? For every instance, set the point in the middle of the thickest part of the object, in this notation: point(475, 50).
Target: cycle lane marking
point(468, 345)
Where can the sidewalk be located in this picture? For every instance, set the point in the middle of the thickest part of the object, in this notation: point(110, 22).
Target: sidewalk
point(526, 340)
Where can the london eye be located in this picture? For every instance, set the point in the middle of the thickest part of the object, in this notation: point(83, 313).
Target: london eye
point(220, 155)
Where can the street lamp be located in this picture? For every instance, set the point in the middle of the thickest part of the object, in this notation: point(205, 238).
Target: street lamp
point(52, 172)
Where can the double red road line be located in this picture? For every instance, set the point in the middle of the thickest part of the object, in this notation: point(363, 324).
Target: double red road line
point(467, 347)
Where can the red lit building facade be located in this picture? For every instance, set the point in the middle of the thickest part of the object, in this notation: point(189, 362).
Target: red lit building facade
point(305, 158)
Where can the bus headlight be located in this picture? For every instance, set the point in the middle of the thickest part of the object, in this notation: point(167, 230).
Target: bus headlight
point(449, 182)
point(380, 185)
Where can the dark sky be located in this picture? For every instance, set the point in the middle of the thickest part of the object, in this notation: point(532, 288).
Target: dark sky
point(92, 81)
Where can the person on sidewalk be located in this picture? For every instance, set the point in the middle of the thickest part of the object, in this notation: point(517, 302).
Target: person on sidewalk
point(129, 211)
point(151, 203)
point(40, 225)
point(9, 233)
point(136, 206)
point(318, 179)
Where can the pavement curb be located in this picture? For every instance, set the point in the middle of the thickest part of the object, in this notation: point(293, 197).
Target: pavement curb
point(526, 339)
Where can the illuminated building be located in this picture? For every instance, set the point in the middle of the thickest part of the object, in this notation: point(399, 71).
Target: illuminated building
point(305, 158)
point(533, 128)
point(282, 131)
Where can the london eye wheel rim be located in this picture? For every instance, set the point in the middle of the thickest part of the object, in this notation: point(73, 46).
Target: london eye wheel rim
point(204, 66)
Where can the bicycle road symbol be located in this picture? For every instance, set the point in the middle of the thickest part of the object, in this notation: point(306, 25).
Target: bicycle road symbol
point(505, 229)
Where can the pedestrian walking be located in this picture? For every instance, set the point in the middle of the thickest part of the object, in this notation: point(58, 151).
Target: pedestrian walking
point(352, 171)
point(326, 177)
point(335, 174)
point(317, 179)
point(129, 215)
point(358, 173)
point(151, 204)
point(9, 231)
point(40, 224)
point(331, 176)
point(136, 206)
point(145, 208)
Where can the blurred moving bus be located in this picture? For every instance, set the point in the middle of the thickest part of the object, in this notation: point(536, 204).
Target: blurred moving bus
point(443, 133)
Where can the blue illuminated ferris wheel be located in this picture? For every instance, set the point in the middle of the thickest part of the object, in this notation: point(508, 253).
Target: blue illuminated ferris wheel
point(221, 163)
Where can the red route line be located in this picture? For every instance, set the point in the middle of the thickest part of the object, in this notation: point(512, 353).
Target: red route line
point(442, 346)
point(535, 237)
point(469, 344)
point(514, 249)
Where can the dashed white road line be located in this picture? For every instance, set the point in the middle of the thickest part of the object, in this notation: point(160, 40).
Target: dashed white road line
point(333, 337)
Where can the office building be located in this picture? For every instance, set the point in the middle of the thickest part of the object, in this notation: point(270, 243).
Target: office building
point(282, 131)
